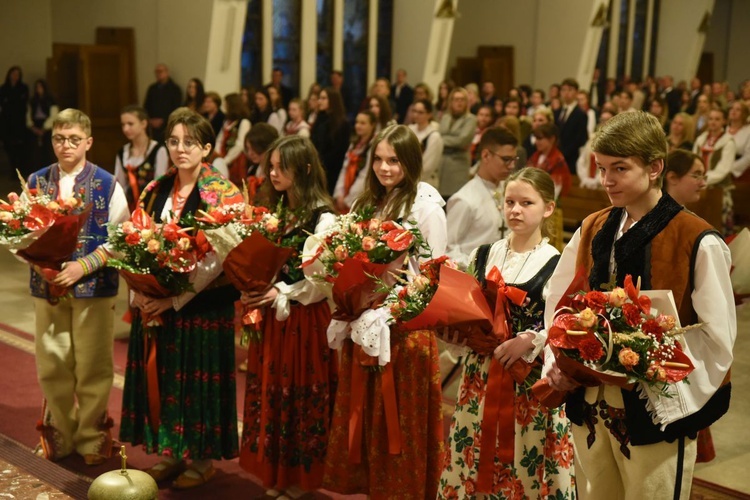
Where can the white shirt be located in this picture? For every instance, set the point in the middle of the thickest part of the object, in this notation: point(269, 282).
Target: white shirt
point(709, 347)
point(277, 120)
point(474, 218)
point(358, 186)
point(742, 148)
point(724, 167)
point(160, 165)
point(582, 168)
point(432, 154)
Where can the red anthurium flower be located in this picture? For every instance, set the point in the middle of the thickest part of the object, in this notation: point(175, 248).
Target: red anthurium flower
point(398, 240)
point(39, 217)
point(141, 220)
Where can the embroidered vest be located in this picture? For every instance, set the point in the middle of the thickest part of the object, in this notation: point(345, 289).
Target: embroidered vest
point(661, 249)
point(95, 186)
point(144, 173)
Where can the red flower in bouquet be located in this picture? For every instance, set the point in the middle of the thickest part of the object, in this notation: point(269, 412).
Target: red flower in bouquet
point(618, 340)
point(361, 236)
point(42, 231)
point(254, 245)
point(147, 251)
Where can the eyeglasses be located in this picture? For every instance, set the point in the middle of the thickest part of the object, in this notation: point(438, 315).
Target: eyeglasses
point(699, 177)
point(506, 159)
point(73, 140)
point(188, 144)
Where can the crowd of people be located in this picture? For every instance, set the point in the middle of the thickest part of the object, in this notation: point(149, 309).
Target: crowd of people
point(480, 175)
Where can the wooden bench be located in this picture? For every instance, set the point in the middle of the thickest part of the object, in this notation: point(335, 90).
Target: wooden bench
point(741, 198)
point(580, 202)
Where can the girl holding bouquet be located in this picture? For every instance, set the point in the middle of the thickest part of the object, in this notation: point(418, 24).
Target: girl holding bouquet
point(400, 462)
point(533, 458)
point(631, 442)
point(291, 373)
point(193, 414)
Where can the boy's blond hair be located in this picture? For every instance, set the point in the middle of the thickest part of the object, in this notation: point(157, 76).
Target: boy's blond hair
point(634, 134)
point(70, 117)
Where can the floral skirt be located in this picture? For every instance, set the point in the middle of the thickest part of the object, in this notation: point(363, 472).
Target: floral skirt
point(291, 381)
point(543, 451)
point(414, 472)
point(197, 387)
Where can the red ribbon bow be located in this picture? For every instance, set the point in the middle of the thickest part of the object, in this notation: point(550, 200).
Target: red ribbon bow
point(498, 421)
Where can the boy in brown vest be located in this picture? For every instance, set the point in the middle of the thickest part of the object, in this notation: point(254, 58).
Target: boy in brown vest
point(628, 445)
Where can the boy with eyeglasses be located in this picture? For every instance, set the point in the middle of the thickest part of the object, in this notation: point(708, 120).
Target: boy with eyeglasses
point(74, 336)
point(475, 212)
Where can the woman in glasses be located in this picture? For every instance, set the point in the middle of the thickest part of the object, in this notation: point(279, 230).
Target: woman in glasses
point(142, 159)
point(195, 416)
point(685, 176)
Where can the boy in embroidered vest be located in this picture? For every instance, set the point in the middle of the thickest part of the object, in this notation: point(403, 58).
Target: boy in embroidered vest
point(627, 446)
point(74, 336)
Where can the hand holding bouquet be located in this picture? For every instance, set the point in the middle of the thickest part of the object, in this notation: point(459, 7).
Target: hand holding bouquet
point(155, 260)
point(616, 338)
point(42, 231)
point(250, 243)
point(356, 255)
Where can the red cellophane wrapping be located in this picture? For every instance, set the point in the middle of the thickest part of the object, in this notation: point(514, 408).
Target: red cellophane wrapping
point(254, 264)
point(459, 303)
point(54, 247)
point(355, 290)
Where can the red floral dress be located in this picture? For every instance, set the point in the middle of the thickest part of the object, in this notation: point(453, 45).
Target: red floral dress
point(543, 450)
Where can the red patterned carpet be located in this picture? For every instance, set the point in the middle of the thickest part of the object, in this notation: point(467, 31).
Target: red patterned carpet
point(20, 402)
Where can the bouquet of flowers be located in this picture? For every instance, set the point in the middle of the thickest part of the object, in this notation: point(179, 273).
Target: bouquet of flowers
point(155, 260)
point(442, 296)
point(617, 338)
point(357, 254)
point(42, 231)
point(250, 242)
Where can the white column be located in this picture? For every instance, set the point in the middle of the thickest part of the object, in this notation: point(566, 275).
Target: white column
point(590, 49)
point(223, 72)
point(629, 39)
point(438, 47)
point(647, 37)
point(614, 39)
point(372, 42)
point(308, 46)
point(267, 47)
point(338, 35)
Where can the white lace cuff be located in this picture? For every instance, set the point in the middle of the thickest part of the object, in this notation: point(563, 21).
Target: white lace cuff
point(372, 332)
point(337, 331)
point(281, 302)
point(538, 339)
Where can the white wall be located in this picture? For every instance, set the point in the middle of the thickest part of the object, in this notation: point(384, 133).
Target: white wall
point(717, 39)
point(497, 22)
point(738, 34)
point(409, 51)
point(25, 38)
point(174, 32)
point(679, 45)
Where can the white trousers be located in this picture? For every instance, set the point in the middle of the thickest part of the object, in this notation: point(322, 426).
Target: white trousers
point(602, 471)
point(74, 364)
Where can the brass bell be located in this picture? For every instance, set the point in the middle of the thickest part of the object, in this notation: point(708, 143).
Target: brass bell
point(124, 484)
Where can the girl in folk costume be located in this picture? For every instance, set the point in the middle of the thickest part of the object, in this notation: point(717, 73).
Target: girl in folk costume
point(229, 158)
point(278, 117)
point(195, 416)
point(351, 180)
point(141, 160)
point(400, 462)
point(291, 376)
point(297, 124)
point(503, 443)
point(717, 149)
point(629, 443)
point(549, 158)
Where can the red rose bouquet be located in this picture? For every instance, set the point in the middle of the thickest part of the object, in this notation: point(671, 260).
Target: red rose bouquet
point(42, 231)
point(155, 260)
point(250, 243)
point(616, 338)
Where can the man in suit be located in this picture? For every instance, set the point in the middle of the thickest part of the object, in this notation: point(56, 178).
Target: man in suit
point(672, 95)
point(163, 97)
point(402, 94)
point(572, 122)
point(287, 94)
